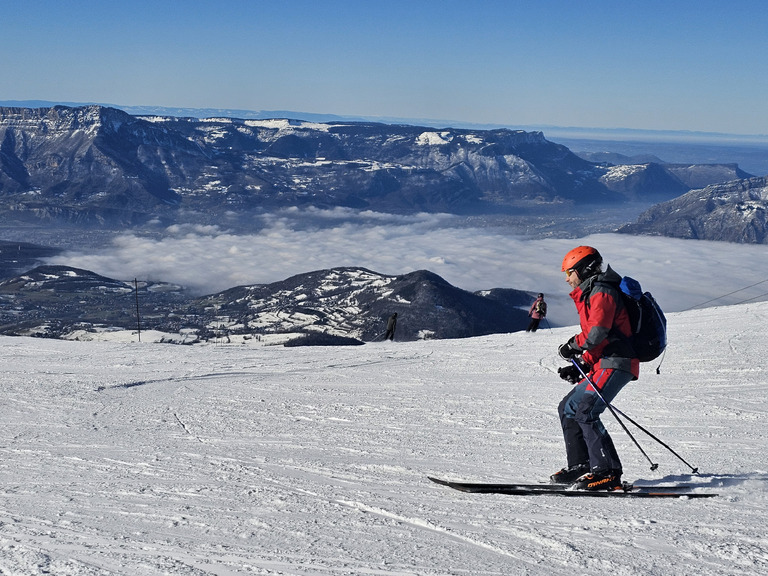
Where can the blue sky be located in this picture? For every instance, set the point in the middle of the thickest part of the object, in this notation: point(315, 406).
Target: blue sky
point(657, 65)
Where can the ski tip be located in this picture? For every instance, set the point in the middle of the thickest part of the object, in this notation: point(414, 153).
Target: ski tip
point(439, 481)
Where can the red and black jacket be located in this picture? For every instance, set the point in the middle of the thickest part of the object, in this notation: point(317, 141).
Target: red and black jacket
point(605, 325)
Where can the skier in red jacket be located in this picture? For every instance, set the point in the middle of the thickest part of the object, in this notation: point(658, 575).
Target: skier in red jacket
point(604, 353)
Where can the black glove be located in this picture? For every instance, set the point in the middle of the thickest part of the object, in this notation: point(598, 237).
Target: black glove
point(569, 350)
point(570, 374)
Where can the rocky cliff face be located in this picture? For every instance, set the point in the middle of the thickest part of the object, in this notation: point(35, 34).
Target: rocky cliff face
point(88, 164)
point(732, 212)
point(99, 166)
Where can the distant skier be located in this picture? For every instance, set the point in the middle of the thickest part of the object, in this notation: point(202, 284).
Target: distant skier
point(603, 352)
point(537, 312)
point(391, 325)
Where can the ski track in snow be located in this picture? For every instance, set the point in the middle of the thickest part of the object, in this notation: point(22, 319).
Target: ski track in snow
point(139, 458)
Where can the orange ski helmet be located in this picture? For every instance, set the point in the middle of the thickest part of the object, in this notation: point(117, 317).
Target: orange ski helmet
point(584, 259)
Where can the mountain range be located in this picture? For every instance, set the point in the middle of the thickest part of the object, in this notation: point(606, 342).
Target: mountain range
point(731, 212)
point(94, 166)
point(334, 306)
point(99, 167)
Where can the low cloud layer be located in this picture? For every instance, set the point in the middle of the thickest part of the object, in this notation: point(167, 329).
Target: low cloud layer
point(681, 273)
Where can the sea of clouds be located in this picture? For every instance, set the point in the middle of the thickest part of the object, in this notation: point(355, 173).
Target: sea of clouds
point(682, 274)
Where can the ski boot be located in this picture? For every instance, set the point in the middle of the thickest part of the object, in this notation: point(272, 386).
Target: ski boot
point(569, 474)
point(599, 480)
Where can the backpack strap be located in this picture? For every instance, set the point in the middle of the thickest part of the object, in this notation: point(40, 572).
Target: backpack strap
point(618, 344)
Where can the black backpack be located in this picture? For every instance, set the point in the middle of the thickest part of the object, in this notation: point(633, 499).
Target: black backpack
point(649, 325)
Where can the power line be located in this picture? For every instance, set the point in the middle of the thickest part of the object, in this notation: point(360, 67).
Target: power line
point(753, 298)
point(729, 294)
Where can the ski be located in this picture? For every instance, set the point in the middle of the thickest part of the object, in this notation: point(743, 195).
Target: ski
point(628, 490)
point(491, 488)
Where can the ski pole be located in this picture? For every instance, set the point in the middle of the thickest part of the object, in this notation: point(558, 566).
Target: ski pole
point(615, 415)
point(694, 470)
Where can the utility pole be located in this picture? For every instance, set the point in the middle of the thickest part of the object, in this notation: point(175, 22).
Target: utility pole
point(138, 318)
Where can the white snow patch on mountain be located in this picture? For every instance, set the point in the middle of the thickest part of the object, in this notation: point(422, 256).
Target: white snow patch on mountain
point(434, 138)
point(619, 173)
point(287, 125)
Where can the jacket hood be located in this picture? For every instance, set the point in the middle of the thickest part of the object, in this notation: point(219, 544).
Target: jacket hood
point(610, 276)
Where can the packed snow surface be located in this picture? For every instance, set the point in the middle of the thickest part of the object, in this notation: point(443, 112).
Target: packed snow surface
point(141, 458)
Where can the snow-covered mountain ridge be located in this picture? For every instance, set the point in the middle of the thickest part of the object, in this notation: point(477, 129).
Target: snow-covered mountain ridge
point(732, 212)
point(335, 306)
point(128, 458)
point(97, 166)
